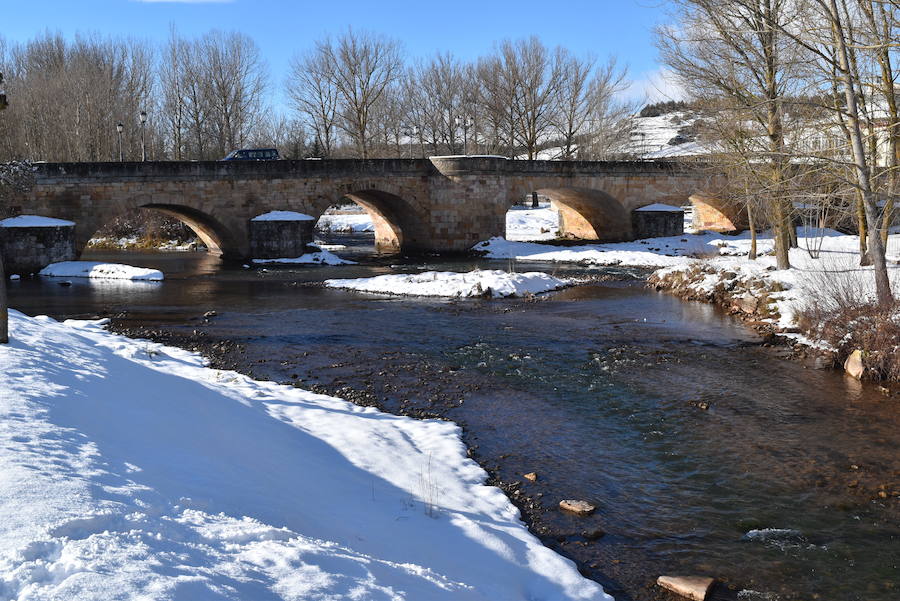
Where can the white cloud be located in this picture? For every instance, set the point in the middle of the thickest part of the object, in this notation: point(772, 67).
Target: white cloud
point(654, 86)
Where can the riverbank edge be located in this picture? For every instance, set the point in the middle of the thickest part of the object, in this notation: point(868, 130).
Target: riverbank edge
point(220, 354)
point(752, 300)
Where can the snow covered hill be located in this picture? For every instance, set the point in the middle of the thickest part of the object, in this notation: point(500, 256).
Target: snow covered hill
point(131, 471)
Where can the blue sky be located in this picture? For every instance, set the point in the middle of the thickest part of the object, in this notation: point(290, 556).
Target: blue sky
point(281, 27)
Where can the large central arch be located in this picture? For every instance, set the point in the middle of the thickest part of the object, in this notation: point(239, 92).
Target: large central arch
point(586, 213)
point(398, 227)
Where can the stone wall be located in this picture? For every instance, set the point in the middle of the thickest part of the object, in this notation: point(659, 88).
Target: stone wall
point(280, 239)
point(657, 224)
point(27, 250)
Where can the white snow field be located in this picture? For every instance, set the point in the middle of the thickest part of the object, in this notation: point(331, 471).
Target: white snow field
point(342, 222)
point(532, 224)
point(474, 283)
point(109, 271)
point(131, 471)
point(283, 216)
point(319, 257)
point(34, 221)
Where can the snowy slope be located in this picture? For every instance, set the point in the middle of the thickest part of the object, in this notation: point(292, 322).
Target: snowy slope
point(131, 471)
point(452, 284)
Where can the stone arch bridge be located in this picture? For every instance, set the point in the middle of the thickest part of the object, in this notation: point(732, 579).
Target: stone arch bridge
point(441, 204)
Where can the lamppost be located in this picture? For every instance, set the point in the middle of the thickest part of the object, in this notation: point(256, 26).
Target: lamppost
point(143, 117)
point(119, 128)
point(466, 122)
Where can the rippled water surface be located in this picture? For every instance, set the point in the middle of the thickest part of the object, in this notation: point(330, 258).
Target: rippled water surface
point(704, 452)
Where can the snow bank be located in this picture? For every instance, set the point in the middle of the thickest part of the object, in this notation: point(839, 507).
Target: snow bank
point(34, 221)
point(452, 284)
point(836, 264)
point(319, 257)
point(283, 216)
point(90, 269)
point(652, 252)
point(131, 471)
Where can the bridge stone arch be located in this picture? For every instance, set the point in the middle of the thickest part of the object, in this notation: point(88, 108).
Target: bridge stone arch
point(398, 208)
point(214, 234)
point(586, 213)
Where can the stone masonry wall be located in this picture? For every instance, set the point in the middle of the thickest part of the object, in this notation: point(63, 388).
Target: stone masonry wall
point(27, 250)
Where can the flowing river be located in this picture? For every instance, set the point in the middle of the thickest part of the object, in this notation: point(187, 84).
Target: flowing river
point(705, 451)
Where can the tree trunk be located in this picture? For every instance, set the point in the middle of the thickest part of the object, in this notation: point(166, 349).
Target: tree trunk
point(534, 200)
point(752, 225)
point(863, 227)
point(876, 248)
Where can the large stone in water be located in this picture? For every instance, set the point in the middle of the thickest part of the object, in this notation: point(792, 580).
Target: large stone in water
point(690, 587)
point(854, 365)
point(578, 507)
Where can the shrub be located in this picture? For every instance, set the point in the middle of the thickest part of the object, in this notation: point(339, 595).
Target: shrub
point(840, 312)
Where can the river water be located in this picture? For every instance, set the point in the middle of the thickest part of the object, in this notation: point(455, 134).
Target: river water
point(704, 451)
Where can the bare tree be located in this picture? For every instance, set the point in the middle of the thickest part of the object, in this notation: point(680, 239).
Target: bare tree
point(588, 116)
point(236, 76)
point(313, 94)
point(362, 66)
point(737, 50)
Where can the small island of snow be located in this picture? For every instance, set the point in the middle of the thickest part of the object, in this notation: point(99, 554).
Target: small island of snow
point(319, 257)
point(494, 283)
point(110, 271)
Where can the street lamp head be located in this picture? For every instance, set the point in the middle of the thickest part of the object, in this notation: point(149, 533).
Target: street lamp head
point(119, 127)
point(143, 116)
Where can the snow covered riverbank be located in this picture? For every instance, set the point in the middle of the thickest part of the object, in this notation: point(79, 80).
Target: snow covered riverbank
point(133, 471)
point(475, 283)
point(652, 252)
point(825, 301)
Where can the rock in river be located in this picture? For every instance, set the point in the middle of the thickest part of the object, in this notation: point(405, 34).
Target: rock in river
point(690, 587)
point(577, 507)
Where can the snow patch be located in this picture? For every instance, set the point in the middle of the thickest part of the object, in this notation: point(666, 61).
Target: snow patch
point(34, 221)
point(90, 269)
point(660, 208)
point(319, 257)
point(283, 216)
point(475, 283)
